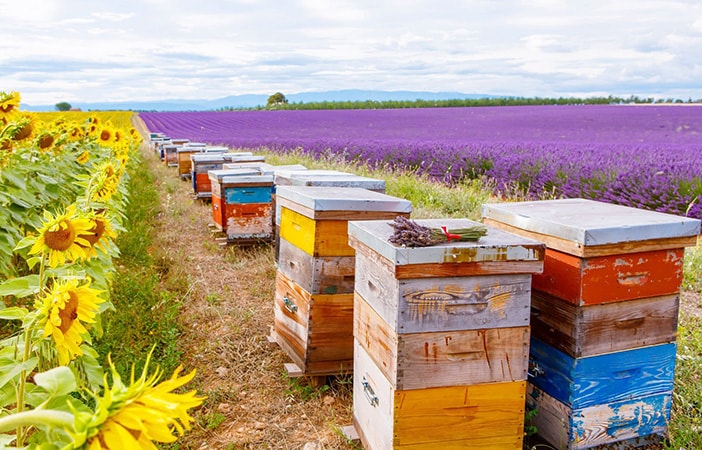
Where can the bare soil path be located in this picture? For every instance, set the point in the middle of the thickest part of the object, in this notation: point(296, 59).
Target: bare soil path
point(227, 294)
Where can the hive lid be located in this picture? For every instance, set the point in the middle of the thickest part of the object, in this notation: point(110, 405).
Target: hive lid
point(342, 180)
point(247, 179)
point(207, 157)
point(497, 245)
point(284, 176)
point(219, 174)
point(341, 199)
point(589, 222)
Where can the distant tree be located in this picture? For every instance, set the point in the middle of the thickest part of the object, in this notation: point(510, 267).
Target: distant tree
point(63, 106)
point(276, 100)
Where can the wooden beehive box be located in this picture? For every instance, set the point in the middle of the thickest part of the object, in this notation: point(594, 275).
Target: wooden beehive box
point(200, 165)
point(219, 193)
point(183, 157)
point(248, 212)
point(313, 312)
point(608, 295)
point(621, 425)
point(283, 177)
point(478, 416)
point(452, 317)
point(170, 155)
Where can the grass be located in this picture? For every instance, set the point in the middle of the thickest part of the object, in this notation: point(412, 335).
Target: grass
point(692, 268)
point(145, 315)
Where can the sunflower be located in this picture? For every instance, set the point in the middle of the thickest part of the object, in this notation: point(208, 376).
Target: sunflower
point(105, 181)
point(61, 237)
point(66, 307)
point(83, 158)
point(136, 416)
point(99, 233)
point(9, 102)
point(45, 140)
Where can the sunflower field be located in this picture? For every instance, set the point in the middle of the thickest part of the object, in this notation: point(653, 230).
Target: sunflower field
point(63, 192)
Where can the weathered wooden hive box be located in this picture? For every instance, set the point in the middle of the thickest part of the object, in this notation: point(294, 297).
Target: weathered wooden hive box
point(248, 208)
point(604, 318)
point(183, 156)
point(313, 311)
point(441, 338)
point(201, 164)
point(241, 204)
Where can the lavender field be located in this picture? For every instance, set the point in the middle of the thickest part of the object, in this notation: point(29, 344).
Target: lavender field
point(642, 156)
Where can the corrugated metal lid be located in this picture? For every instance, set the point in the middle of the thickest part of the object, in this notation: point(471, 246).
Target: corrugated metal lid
point(342, 199)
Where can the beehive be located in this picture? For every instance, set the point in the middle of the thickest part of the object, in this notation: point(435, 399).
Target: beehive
point(442, 338)
point(184, 164)
point(604, 317)
point(219, 193)
point(170, 154)
point(313, 312)
point(200, 165)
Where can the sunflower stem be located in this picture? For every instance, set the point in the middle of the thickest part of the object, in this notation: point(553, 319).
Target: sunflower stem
point(23, 383)
point(34, 417)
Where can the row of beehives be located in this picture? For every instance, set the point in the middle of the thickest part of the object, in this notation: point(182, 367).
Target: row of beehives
point(568, 307)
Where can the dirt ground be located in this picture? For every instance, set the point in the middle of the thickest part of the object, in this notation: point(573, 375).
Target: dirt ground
point(226, 319)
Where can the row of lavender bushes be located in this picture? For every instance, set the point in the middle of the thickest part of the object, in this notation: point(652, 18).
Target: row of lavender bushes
point(641, 156)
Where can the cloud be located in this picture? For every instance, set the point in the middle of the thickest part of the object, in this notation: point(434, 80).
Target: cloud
point(157, 49)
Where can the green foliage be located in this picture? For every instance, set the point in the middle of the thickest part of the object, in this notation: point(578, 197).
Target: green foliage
point(692, 268)
point(144, 315)
point(63, 106)
point(277, 101)
point(448, 103)
point(686, 422)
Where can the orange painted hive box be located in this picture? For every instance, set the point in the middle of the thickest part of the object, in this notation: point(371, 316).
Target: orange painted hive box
point(441, 338)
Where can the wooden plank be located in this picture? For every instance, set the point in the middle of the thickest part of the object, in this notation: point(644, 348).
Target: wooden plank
point(219, 211)
point(442, 304)
point(485, 416)
point(449, 358)
point(317, 274)
point(611, 278)
point(373, 407)
point(611, 327)
point(315, 237)
point(249, 219)
point(291, 319)
point(607, 378)
point(577, 249)
point(497, 245)
point(330, 336)
point(625, 424)
point(247, 194)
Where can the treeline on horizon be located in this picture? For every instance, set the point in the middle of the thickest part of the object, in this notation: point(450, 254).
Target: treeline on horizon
point(462, 102)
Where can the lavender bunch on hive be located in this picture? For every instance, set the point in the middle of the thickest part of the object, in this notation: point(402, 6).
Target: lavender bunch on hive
point(409, 233)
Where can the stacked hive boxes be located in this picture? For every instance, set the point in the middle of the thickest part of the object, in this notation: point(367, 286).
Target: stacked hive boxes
point(314, 285)
point(241, 204)
point(185, 164)
point(441, 338)
point(604, 318)
point(202, 163)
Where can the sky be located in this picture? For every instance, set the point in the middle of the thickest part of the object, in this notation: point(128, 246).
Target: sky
point(97, 50)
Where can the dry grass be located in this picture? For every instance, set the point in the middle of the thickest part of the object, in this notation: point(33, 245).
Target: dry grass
point(225, 320)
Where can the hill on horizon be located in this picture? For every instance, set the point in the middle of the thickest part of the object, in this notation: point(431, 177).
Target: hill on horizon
point(256, 100)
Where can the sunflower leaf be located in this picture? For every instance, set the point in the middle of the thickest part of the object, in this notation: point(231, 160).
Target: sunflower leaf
point(13, 313)
point(57, 381)
point(20, 287)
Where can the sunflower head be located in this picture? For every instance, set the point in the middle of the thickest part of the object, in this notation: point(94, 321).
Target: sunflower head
point(64, 311)
point(9, 102)
point(61, 237)
point(137, 415)
point(105, 181)
point(83, 158)
point(99, 234)
point(45, 140)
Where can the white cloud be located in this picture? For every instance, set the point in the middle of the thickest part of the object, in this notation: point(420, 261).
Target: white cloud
point(83, 50)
